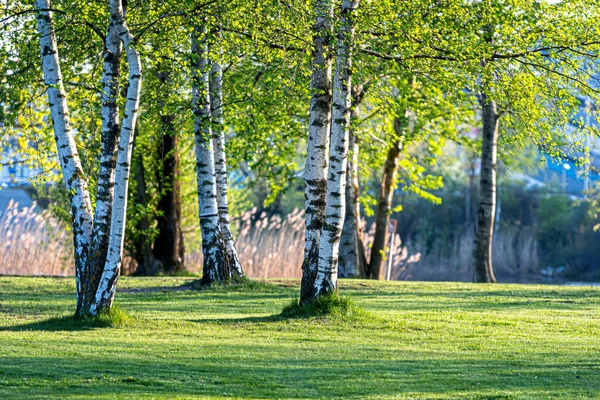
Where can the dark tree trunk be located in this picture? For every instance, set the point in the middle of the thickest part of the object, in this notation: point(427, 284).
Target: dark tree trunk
point(352, 258)
point(142, 251)
point(168, 247)
point(469, 191)
point(484, 227)
point(384, 204)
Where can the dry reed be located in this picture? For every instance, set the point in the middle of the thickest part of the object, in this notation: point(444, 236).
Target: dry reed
point(515, 257)
point(272, 247)
point(33, 243)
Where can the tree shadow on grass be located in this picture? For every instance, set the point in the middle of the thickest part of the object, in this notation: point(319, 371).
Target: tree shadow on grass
point(238, 284)
point(57, 324)
point(258, 371)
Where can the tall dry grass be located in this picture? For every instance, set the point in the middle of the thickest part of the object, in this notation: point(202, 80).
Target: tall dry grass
point(272, 247)
point(515, 257)
point(268, 247)
point(33, 243)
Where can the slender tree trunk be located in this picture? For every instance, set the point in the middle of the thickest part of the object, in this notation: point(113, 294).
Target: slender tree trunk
point(484, 227)
point(384, 203)
point(147, 265)
point(213, 248)
point(315, 171)
point(112, 268)
point(218, 142)
point(326, 280)
point(108, 159)
point(352, 260)
point(469, 191)
point(75, 182)
point(168, 247)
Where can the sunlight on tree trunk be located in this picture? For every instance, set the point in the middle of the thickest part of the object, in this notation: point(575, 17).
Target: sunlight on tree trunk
point(74, 179)
point(218, 142)
point(315, 171)
point(213, 248)
point(112, 268)
point(326, 279)
point(111, 72)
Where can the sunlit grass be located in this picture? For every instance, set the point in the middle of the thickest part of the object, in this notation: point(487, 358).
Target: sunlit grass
point(414, 340)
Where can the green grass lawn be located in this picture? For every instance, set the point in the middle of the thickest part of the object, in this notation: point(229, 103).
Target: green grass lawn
point(418, 340)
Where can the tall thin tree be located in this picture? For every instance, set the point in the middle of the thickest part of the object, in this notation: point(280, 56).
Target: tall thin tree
point(213, 249)
point(218, 143)
point(326, 278)
point(486, 209)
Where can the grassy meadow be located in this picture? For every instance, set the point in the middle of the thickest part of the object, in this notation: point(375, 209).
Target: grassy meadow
point(414, 341)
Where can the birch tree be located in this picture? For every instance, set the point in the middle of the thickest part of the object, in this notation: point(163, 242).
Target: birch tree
point(111, 72)
point(95, 286)
point(315, 170)
point(218, 143)
point(215, 266)
point(326, 278)
point(68, 155)
point(112, 267)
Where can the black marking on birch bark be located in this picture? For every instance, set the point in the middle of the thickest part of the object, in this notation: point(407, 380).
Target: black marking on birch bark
point(47, 51)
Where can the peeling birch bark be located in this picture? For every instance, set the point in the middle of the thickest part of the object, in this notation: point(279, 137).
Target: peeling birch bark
point(112, 267)
point(315, 171)
point(218, 142)
point(327, 269)
point(74, 178)
point(215, 263)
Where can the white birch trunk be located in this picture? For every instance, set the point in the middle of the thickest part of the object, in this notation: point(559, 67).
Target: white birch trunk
point(106, 176)
point(315, 170)
point(326, 280)
point(215, 265)
point(74, 179)
point(110, 275)
point(218, 142)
